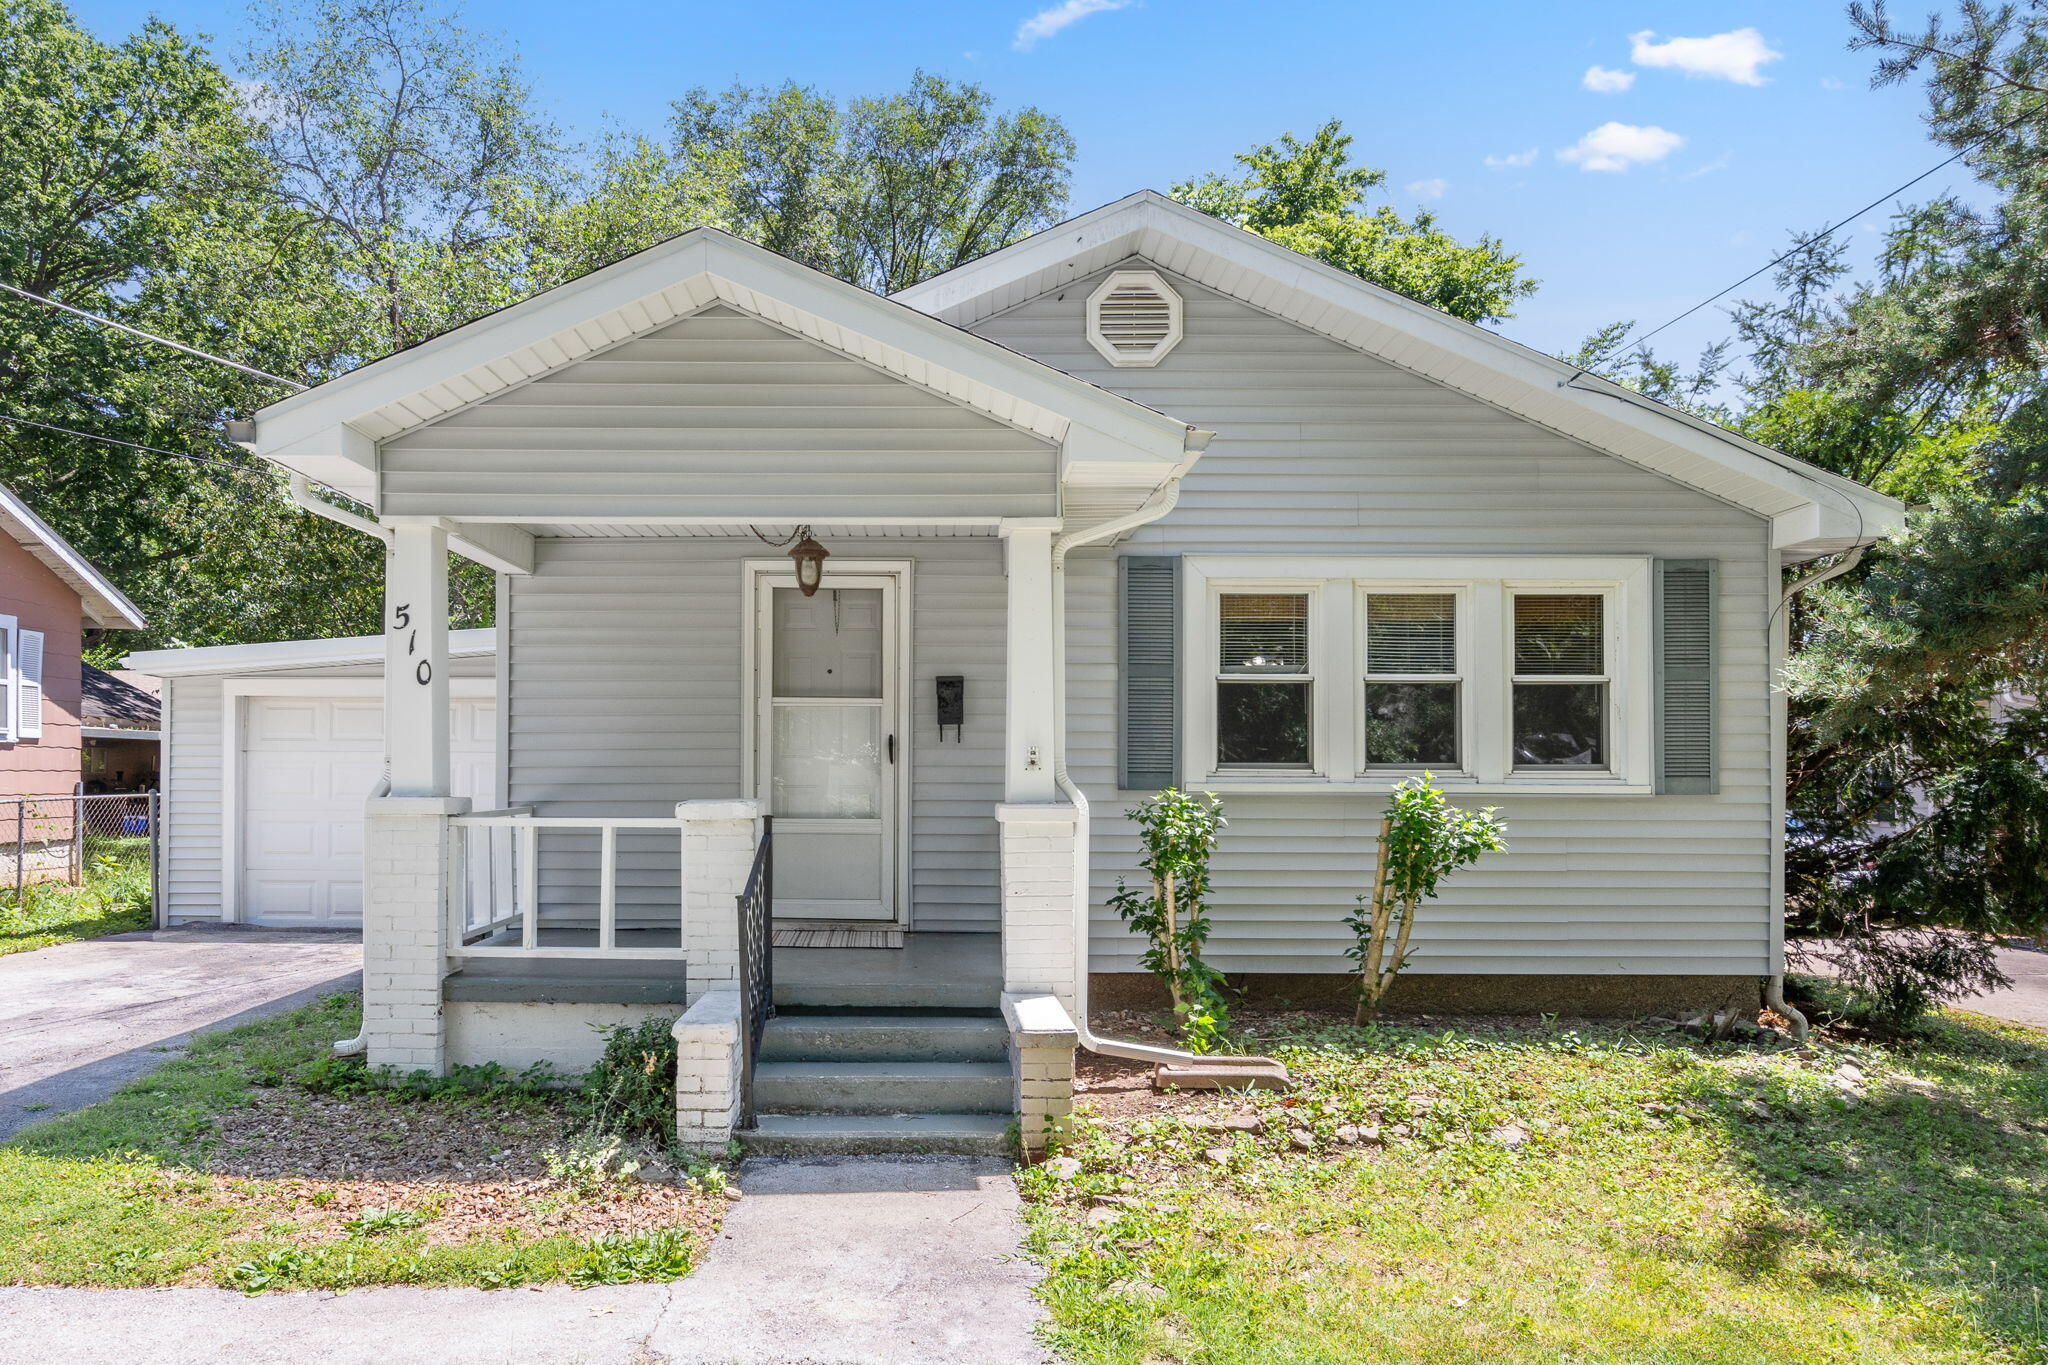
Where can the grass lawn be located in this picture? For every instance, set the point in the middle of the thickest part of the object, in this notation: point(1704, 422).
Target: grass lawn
point(113, 899)
point(242, 1165)
point(1486, 1193)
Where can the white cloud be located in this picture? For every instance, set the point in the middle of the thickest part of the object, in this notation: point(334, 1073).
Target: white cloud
point(1830, 83)
point(1051, 20)
point(1605, 81)
point(1618, 146)
point(1732, 56)
point(1498, 163)
point(1429, 189)
point(1719, 163)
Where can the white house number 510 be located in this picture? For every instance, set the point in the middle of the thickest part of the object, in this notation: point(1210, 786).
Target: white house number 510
point(423, 671)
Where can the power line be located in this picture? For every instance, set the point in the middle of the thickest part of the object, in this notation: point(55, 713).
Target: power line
point(1833, 228)
point(152, 336)
point(132, 445)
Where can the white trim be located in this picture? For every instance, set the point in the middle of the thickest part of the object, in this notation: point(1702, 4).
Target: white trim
point(105, 605)
point(757, 575)
point(1812, 511)
point(348, 649)
point(1154, 282)
point(233, 692)
point(1485, 585)
point(28, 691)
point(9, 684)
point(116, 732)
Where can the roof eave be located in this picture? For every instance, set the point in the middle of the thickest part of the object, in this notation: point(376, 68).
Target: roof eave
point(104, 606)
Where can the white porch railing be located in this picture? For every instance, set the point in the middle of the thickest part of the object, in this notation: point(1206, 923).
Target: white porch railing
point(496, 888)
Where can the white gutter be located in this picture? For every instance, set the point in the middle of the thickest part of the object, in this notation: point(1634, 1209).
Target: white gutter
point(1158, 506)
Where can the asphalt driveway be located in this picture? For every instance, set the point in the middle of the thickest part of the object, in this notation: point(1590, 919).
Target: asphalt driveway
point(2026, 1000)
point(81, 1019)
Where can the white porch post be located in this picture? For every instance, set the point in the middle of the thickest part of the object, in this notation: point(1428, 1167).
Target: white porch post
point(407, 840)
point(416, 659)
point(1028, 694)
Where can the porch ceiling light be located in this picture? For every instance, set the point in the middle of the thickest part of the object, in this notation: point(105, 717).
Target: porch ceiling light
point(810, 562)
point(809, 555)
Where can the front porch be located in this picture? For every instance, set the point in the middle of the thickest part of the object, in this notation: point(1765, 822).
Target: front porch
point(617, 450)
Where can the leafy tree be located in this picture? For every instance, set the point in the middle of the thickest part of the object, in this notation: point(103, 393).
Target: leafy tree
point(885, 191)
point(1307, 196)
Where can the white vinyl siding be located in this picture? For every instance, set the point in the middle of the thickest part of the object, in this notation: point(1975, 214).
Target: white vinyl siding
point(1323, 450)
point(626, 692)
point(717, 415)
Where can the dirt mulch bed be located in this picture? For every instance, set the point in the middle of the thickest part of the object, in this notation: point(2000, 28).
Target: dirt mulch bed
point(317, 1161)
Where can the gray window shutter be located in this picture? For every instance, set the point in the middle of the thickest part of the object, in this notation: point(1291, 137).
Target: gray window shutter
point(1686, 657)
point(1148, 672)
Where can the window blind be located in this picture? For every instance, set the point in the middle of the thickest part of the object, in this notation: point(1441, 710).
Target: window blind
point(1559, 635)
point(1411, 632)
point(1263, 633)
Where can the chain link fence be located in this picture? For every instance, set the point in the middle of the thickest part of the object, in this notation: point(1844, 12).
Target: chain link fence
point(78, 840)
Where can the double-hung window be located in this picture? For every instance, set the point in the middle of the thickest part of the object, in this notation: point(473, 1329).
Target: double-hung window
point(1412, 684)
point(1265, 686)
point(1561, 683)
point(1498, 672)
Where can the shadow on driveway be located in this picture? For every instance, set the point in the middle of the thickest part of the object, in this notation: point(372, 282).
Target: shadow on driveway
point(79, 1020)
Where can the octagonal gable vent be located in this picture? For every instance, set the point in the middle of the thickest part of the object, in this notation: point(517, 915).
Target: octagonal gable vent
point(1134, 318)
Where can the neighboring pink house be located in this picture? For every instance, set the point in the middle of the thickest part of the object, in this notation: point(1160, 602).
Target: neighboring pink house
point(48, 594)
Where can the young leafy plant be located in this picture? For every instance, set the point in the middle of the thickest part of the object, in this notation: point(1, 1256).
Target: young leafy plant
point(1179, 832)
point(1423, 839)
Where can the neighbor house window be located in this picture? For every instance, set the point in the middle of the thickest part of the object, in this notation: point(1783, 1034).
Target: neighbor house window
point(1561, 681)
point(1412, 681)
point(1264, 685)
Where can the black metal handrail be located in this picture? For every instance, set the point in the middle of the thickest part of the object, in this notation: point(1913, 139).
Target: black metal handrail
point(757, 962)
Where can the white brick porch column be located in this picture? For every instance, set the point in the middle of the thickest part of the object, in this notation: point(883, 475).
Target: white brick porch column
point(406, 884)
point(406, 858)
point(1038, 899)
point(718, 852)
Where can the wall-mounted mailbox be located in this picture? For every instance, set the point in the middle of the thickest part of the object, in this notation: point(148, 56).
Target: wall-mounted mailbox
point(952, 704)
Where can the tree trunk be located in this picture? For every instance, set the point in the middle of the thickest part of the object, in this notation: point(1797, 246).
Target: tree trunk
point(1370, 987)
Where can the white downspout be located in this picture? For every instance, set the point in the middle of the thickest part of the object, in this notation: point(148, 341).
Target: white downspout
point(1158, 506)
point(1774, 989)
point(303, 497)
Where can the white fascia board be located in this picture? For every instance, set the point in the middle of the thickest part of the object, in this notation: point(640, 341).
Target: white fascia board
point(1504, 373)
point(310, 432)
point(105, 605)
point(348, 649)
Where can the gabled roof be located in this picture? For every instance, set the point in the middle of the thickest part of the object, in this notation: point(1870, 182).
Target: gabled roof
point(346, 649)
point(330, 432)
point(104, 604)
point(1811, 511)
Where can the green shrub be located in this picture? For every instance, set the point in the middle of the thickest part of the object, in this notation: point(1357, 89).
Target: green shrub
point(631, 1090)
point(1179, 833)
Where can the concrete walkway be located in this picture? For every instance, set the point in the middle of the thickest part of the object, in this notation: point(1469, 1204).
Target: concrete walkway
point(81, 1019)
point(835, 1261)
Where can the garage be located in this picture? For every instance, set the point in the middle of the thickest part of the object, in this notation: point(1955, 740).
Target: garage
point(271, 751)
point(307, 763)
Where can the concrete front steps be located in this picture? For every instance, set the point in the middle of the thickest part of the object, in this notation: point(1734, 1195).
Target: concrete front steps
point(886, 1081)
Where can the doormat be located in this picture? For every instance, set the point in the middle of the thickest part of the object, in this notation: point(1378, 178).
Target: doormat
point(839, 938)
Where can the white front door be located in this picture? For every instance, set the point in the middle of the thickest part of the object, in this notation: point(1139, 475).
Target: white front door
point(827, 743)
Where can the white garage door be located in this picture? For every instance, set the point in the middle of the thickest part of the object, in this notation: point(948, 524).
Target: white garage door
point(308, 764)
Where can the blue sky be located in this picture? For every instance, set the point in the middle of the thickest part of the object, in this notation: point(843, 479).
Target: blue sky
point(1757, 122)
